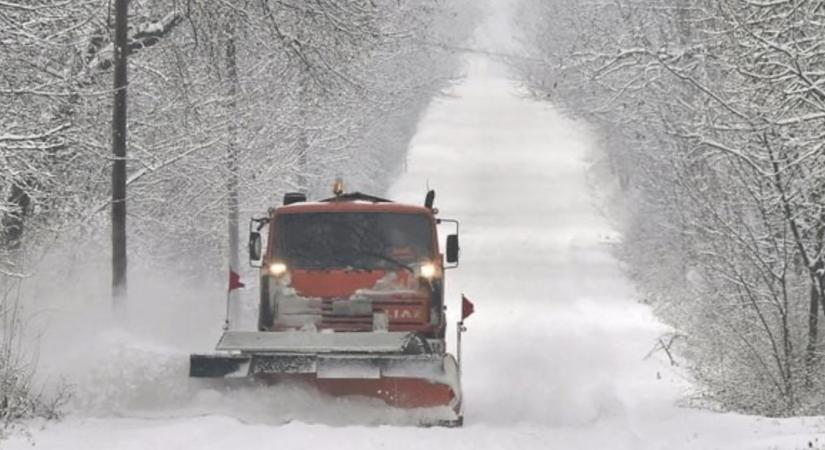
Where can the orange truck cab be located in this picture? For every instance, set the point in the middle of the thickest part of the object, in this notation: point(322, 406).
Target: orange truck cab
point(353, 263)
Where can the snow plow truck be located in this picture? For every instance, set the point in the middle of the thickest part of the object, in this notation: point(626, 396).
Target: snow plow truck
point(351, 303)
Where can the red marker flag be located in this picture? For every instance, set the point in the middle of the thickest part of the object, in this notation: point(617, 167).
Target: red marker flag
point(467, 307)
point(234, 281)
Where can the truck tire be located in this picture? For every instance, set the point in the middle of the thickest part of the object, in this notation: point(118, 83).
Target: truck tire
point(266, 316)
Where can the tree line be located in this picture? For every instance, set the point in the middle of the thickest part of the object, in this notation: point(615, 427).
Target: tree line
point(711, 117)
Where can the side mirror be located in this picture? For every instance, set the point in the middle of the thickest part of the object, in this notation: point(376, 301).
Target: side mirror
point(254, 247)
point(452, 249)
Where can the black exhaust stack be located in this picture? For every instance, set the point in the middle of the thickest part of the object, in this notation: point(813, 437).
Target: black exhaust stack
point(428, 202)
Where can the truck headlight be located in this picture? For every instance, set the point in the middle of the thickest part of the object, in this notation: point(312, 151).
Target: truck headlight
point(428, 270)
point(277, 269)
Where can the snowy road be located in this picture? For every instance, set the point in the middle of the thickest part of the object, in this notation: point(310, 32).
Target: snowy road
point(554, 356)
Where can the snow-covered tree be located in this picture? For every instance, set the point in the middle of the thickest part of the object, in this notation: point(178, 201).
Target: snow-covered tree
point(711, 115)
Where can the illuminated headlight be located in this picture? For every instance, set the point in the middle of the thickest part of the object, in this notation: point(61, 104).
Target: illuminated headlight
point(277, 269)
point(428, 270)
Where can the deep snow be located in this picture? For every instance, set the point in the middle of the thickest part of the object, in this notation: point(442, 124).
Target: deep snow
point(554, 356)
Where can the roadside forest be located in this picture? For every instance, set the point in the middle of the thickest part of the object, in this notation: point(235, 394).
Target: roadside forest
point(711, 117)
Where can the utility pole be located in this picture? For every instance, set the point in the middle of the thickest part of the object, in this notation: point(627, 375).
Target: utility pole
point(119, 154)
point(232, 164)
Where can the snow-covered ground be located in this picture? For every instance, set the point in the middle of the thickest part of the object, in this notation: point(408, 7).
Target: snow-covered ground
point(554, 356)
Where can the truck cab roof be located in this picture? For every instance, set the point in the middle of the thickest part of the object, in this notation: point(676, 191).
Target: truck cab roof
point(352, 202)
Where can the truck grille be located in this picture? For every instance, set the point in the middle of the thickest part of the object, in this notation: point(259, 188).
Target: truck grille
point(403, 314)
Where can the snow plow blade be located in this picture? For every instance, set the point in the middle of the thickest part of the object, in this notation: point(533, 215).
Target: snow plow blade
point(379, 365)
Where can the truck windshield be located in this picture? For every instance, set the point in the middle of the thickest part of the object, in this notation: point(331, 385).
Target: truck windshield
point(368, 241)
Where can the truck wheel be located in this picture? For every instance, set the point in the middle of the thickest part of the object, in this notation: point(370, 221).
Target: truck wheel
point(265, 313)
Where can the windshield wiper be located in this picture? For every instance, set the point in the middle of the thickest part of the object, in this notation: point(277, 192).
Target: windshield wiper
point(386, 258)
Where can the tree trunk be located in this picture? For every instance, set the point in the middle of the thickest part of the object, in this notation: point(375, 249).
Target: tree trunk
point(813, 326)
point(815, 301)
point(303, 132)
point(13, 223)
point(119, 153)
point(232, 181)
